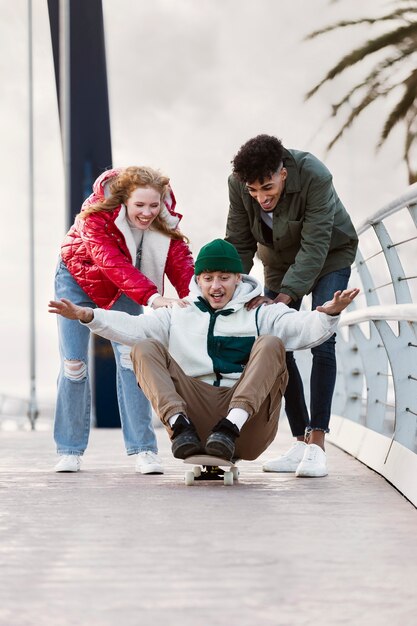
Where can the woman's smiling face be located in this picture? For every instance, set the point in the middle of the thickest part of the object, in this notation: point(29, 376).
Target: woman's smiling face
point(143, 206)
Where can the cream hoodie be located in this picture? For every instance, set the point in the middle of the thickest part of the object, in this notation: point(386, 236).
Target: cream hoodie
point(214, 345)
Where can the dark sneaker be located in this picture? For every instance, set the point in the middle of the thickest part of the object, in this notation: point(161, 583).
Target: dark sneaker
point(185, 441)
point(221, 441)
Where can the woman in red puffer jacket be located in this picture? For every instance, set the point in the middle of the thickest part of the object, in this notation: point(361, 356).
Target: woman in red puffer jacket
point(115, 256)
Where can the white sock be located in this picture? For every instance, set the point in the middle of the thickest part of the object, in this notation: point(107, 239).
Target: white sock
point(174, 418)
point(238, 417)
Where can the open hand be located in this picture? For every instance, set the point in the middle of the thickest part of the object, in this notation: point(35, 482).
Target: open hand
point(341, 300)
point(160, 301)
point(257, 301)
point(71, 311)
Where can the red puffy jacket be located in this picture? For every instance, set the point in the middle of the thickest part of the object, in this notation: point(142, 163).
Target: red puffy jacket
point(97, 255)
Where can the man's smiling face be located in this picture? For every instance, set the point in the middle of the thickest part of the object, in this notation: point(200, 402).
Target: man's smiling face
point(218, 287)
point(268, 193)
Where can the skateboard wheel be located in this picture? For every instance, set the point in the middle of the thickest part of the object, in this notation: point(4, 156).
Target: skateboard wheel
point(189, 478)
point(235, 472)
point(197, 471)
point(228, 478)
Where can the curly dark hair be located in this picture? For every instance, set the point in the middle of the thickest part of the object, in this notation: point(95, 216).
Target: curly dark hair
point(258, 159)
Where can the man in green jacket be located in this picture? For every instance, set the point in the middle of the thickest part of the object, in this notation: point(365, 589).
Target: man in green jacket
point(284, 207)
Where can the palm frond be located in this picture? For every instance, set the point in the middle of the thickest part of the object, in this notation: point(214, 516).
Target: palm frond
point(402, 108)
point(411, 126)
point(387, 39)
point(368, 99)
point(374, 79)
point(386, 76)
point(410, 140)
point(395, 15)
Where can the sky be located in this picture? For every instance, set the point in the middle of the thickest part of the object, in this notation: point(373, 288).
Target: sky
point(189, 82)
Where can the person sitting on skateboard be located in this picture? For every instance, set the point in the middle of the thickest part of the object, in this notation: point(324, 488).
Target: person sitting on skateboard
point(214, 371)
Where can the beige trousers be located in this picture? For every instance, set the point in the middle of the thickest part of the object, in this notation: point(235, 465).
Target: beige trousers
point(259, 391)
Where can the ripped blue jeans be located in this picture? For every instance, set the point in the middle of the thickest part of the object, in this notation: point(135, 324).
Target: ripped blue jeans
point(73, 405)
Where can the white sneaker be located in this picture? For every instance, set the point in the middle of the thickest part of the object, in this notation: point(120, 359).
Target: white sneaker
point(68, 463)
point(148, 463)
point(289, 461)
point(313, 463)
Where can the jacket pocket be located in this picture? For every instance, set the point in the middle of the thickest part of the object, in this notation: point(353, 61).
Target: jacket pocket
point(289, 236)
point(339, 239)
point(295, 228)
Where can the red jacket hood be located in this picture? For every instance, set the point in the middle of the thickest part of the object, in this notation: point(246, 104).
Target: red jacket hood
point(101, 191)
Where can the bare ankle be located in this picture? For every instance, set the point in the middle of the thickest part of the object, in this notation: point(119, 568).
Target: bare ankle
point(317, 437)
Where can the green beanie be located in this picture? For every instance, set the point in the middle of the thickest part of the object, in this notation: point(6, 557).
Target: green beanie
point(218, 256)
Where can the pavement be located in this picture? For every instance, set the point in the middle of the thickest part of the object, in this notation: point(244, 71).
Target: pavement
point(108, 547)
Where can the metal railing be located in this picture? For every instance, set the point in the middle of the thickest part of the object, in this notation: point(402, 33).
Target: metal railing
point(375, 402)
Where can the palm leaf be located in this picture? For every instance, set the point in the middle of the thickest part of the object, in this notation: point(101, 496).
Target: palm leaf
point(410, 140)
point(384, 77)
point(397, 14)
point(368, 99)
point(374, 77)
point(402, 108)
point(388, 39)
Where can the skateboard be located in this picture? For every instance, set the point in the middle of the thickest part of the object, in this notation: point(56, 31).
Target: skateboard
point(208, 467)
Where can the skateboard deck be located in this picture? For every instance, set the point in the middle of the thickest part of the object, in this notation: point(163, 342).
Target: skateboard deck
point(207, 467)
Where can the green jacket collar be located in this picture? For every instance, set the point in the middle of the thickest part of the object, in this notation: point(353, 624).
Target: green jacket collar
point(293, 182)
point(204, 306)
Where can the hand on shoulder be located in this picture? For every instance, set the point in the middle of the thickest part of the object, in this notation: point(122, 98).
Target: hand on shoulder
point(160, 301)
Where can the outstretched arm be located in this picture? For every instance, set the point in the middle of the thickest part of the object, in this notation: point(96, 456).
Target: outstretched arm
point(340, 301)
point(117, 325)
point(71, 311)
point(300, 330)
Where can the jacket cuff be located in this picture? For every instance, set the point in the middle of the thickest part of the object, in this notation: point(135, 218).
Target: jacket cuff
point(152, 298)
point(290, 293)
